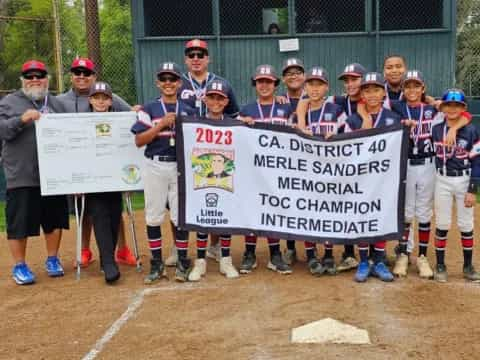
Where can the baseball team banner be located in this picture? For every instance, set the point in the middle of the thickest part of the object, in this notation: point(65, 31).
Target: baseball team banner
point(275, 181)
point(88, 152)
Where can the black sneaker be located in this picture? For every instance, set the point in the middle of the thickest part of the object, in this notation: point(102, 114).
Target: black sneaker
point(440, 273)
point(277, 264)
point(183, 269)
point(329, 264)
point(157, 271)
point(469, 273)
point(315, 267)
point(249, 262)
point(111, 272)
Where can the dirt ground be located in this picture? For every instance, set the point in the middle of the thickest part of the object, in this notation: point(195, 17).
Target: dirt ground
point(246, 318)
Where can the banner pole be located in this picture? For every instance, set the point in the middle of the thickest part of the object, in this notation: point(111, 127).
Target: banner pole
point(79, 221)
point(131, 215)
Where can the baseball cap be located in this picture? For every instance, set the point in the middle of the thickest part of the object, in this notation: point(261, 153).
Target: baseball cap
point(196, 44)
point(217, 87)
point(454, 96)
point(292, 62)
point(101, 87)
point(372, 78)
point(317, 73)
point(354, 69)
point(266, 72)
point(169, 68)
point(34, 65)
point(414, 75)
point(83, 63)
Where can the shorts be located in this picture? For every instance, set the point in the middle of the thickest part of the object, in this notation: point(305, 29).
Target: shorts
point(26, 210)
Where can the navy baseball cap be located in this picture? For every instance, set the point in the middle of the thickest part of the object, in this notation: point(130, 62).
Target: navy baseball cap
point(317, 73)
point(355, 69)
point(454, 96)
point(414, 75)
point(217, 87)
point(169, 68)
point(372, 78)
point(292, 62)
point(101, 87)
point(266, 72)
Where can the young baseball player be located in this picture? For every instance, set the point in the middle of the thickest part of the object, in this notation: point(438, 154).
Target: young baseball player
point(394, 69)
point(326, 119)
point(155, 129)
point(216, 99)
point(373, 92)
point(265, 109)
point(105, 209)
point(458, 177)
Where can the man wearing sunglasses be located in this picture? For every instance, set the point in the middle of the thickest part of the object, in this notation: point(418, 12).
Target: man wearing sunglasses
point(195, 81)
point(83, 77)
point(26, 209)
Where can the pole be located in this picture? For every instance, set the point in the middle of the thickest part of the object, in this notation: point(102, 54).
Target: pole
point(79, 220)
point(58, 47)
point(92, 25)
point(131, 215)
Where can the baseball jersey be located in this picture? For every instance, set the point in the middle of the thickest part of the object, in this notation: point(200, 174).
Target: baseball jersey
point(330, 118)
point(294, 101)
point(192, 93)
point(420, 136)
point(348, 106)
point(384, 118)
point(274, 114)
point(462, 156)
point(152, 113)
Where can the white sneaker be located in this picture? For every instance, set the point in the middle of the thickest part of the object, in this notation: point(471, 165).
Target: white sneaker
point(199, 269)
point(172, 259)
point(401, 266)
point(213, 252)
point(424, 269)
point(227, 268)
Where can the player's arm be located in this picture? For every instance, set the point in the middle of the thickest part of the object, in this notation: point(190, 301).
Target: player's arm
point(301, 111)
point(465, 119)
point(474, 156)
point(146, 137)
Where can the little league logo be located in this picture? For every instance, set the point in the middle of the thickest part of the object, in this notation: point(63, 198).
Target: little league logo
point(211, 200)
point(213, 169)
point(131, 174)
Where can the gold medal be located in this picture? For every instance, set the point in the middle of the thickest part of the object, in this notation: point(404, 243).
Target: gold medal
point(172, 141)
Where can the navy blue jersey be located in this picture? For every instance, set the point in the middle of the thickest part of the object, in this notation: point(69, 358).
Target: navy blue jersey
point(330, 118)
point(384, 118)
point(348, 106)
point(152, 113)
point(192, 93)
point(280, 114)
point(420, 136)
point(294, 101)
point(462, 156)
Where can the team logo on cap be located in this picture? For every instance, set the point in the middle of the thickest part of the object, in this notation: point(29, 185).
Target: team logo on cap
point(412, 74)
point(265, 70)
point(101, 86)
point(371, 77)
point(292, 62)
point(349, 68)
point(217, 86)
point(168, 66)
point(317, 72)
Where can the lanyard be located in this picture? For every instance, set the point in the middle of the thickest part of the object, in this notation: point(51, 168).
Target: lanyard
point(44, 108)
point(164, 108)
point(452, 152)
point(418, 128)
point(199, 90)
point(388, 96)
point(349, 106)
point(320, 117)
point(260, 111)
point(379, 115)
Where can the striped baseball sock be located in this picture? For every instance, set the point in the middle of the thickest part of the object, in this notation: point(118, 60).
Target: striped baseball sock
point(273, 246)
point(440, 243)
point(181, 242)
point(250, 243)
point(402, 244)
point(154, 235)
point(363, 251)
point(225, 241)
point(467, 244)
point(380, 251)
point(309, 250)
point(423, 238)
point(202, 240)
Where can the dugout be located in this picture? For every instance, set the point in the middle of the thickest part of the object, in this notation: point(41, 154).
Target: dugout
point(330, 34)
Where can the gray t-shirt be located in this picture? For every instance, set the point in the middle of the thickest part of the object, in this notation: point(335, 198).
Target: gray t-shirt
point(76, 103)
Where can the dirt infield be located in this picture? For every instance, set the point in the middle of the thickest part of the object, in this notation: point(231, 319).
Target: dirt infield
point(247, 318)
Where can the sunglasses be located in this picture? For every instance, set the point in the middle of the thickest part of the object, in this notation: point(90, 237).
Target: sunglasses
point(199, 55)
point(293, 73)
point(167, 78)
point(78, 72)
point(38, 76)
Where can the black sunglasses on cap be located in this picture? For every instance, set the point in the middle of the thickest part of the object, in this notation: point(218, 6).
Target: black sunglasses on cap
point(169, 78)
point(197, 54)
point(31, 76)
point(78, 72)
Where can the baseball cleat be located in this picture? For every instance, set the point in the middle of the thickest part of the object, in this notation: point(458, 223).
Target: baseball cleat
point(290, 256)
point(440, 273)
point(381, 271)
point(401, 266)
point(347, 263)
point(469, 273)
point(22, 274)
point(213, 252)
point(363, 271)
point(227, 268)
point(315, 267)
point(54, 267)
point(183, 270)
point(249, 262)
point(172, 259)
point(157, 271)
point(423, 267)
point(328, 264)
point(199, 269)
point(277, 264)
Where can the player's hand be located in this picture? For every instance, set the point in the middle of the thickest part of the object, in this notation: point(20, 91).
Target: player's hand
point(451, 137)
point(169, 119)
point(307, 131)
point(328, 135)
point(136, 108)
point(409, 122)
point(281, 99)
point(247, 120)
point(470, 200)
point(30, 115)
point(367, 123)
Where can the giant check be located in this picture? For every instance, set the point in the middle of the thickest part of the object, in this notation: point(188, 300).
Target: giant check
point(88, 152)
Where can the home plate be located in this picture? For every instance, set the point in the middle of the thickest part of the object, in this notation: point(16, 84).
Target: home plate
point(329, 331)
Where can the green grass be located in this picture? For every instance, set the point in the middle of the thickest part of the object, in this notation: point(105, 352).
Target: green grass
point(138, 201)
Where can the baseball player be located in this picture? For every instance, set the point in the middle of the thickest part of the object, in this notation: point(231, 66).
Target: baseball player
point(216, 99)
point(458, 177)
point(265, 109)
point(326, 119)
point(373, 92)
point(155, 128)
